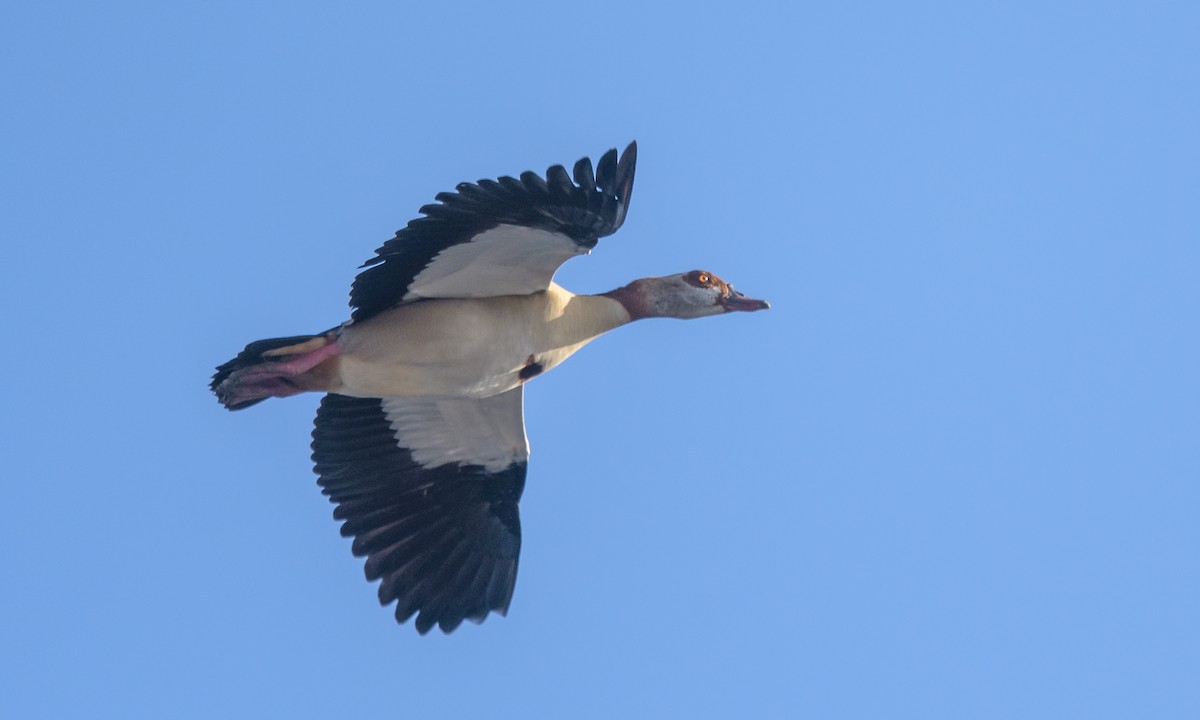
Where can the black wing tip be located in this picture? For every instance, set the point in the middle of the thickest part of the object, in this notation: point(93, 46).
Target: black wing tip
point(625, 170)
point(429, 615)
point(630, 154)
point(623, 184)
point(449, 623)
point(612, 177)
point(609, 170)
point(490, 591)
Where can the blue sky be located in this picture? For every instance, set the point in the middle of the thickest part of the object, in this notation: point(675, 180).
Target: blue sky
point(952, 473)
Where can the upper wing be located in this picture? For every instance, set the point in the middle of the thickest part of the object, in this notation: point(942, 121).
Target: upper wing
point(498, 237)
point(429, 490)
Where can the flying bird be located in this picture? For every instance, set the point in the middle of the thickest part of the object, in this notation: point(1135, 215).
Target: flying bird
point(420, 437)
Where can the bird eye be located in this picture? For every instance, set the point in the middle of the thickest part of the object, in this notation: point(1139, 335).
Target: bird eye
point(704, 278)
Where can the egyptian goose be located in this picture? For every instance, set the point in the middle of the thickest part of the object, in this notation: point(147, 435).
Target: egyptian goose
point(420, 438)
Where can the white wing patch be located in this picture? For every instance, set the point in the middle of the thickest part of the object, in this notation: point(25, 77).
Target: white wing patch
point(506, 260)
point(488, 432)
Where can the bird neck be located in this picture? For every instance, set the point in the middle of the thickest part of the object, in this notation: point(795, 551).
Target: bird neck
point(635, 300)
point(648, 298)
point(580, 318)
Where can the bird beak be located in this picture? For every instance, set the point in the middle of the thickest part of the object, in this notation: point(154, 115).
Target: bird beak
point(736, 301)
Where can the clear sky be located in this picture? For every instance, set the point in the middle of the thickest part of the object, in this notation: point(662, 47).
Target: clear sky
point(953, 473)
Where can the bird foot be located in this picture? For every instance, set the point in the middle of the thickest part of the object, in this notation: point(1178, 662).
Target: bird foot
point(276, 377)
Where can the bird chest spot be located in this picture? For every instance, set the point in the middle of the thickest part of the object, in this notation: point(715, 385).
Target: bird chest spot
point(532, 369)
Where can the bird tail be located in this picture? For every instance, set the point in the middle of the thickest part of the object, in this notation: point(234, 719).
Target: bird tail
point(271, 368)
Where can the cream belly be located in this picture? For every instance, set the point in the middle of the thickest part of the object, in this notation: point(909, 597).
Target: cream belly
point(468, 347)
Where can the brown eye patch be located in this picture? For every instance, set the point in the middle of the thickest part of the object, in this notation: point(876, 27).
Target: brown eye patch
point(703, 279)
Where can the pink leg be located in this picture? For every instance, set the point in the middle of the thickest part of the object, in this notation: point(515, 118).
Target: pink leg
point(272, 378)
point(296, 365)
